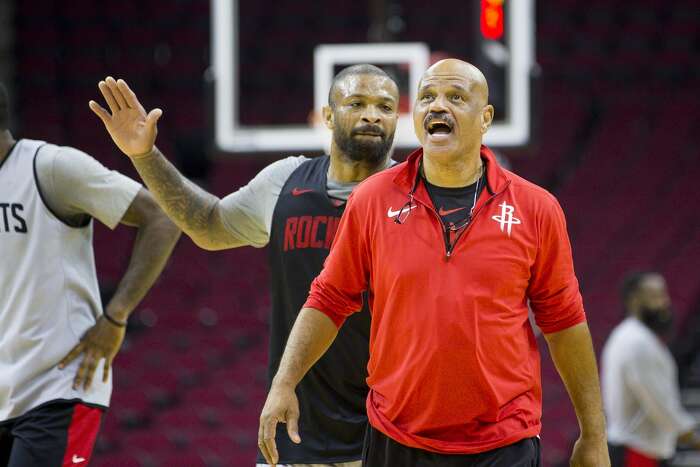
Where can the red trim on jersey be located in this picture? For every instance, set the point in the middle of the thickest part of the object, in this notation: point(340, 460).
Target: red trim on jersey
point(637, 459)
point(82, 434)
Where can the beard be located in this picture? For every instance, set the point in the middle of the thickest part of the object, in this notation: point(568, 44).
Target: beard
point(362, 150)
point(660, 321)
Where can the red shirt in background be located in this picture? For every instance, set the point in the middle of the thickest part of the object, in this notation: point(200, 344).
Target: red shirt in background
point(454, 365)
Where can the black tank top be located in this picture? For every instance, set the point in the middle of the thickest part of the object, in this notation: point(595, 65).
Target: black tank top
point(332, 395)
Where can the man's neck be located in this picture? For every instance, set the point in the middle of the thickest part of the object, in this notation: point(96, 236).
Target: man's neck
point(6, 143)
point(452, 172)
point(345, 170)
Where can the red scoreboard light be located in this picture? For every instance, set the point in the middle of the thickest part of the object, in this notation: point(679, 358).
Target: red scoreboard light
point(492, 19)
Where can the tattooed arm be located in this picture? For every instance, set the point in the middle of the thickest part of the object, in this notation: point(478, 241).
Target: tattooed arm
point(195, 211)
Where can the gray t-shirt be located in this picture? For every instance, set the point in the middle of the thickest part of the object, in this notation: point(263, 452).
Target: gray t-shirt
point(247, 213)
point(76, 186)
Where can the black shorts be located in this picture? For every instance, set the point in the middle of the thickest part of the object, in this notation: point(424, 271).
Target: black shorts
point(382, 451)
point(58, 433)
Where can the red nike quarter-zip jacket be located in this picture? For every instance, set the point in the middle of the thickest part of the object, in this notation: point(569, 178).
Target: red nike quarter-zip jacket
point(454, 365)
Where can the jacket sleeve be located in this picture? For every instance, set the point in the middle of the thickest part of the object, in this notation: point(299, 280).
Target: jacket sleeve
point(337, 291)
point(554, 291)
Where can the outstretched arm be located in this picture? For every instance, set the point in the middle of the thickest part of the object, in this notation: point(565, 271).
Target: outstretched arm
point(572, 353)
point(154, 243)
point(134, 131)
point(194, 210)
point(312, 334)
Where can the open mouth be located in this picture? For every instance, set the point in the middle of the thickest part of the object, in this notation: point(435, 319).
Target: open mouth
point(436, 127)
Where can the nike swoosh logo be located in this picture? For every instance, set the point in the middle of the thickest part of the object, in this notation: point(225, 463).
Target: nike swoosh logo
point(443, 212)
point(392, 213)
point(78, 460)
point(299, 191)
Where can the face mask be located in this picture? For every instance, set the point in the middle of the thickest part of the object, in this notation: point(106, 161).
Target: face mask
point(659, 320)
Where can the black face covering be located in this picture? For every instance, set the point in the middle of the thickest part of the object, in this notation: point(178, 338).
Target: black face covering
point(659, 320)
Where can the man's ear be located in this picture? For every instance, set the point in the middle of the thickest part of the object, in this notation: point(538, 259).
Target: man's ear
point(328, 117)
point(486, 118)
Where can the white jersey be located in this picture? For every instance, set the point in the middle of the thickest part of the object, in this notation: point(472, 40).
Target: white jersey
point(49, 294)
point(640, 392)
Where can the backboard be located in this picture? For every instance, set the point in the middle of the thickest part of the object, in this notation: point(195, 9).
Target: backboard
point(273, 63)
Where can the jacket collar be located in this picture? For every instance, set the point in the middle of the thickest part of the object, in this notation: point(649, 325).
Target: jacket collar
point(496, 177)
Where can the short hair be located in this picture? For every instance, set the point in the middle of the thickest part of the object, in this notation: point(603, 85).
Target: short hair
point(361, 69)
point(4, 108)
point(631, 283)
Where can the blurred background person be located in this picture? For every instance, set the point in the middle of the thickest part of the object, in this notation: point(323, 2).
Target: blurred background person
point(640, 379)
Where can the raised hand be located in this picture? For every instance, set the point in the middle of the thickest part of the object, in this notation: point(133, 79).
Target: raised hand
point(131, 128)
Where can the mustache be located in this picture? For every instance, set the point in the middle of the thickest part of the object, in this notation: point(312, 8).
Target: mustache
point(374, 129)
point(440, 116)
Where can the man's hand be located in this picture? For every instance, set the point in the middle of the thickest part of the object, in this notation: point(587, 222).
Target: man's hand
point(313, 332)
point(281, 406)
point(103, 340)
point(131, 128)
point(590, 453)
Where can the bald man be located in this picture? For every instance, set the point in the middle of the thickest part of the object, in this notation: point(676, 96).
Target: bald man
point(451, 247)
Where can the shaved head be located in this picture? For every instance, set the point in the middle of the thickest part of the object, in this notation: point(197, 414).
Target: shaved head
point(459, 69)
point(354, 70)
